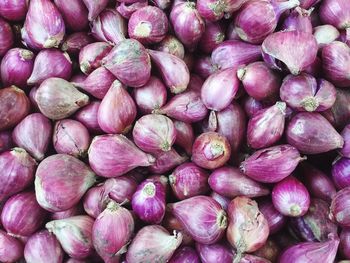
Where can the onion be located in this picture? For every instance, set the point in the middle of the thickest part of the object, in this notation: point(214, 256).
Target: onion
point(16, 67)
point(75, 14)
point(6, 37)
point(185, 254)
point(6, 142)
point(214, 253)
point(344, 243)
point(222, 200)
point(336, 13)
point(91, 56)
point(306, 4)
point(73, 211)
point(340, 173)
point(184, 135)
point(95, 7)
point(88, 116)
point(202, 217)
point(14, 10)
point(50, 63)
point(299, 19)
point(76, 41)
point(11, 248)
point(270, 251)
point(252, 106)
point(166, 161)
point(114, 155)
point(171, 45)
point(213, 35)
point(60, 182)
point(43, 247)
point(325, 34)
point(126, 10)
point(204, 67)
point(275, 219)
point(346, 136)
point(339, 208)
point(319, 137)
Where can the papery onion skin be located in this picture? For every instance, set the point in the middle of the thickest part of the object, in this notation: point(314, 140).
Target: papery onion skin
point(91, 56)
point(325, 34)
point(339, 211)
point(275, 219)
point(166, 161)
point(335, 12)
point(14, 10)
point(172, 45)
point(299, 19)
point(95, 7)
point(76, 41)
point(126, 10)
point(88, 116)
point(75, 14)
point(11, 248)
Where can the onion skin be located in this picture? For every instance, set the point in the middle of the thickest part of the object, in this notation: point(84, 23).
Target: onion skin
point(248, 229)
point(202, 217)
point(296, 57)
point(234, 53)
point(188, 180)
point(129, 62)
point(320, 137)
point(340, 173)
point(184, 135)
point(6, 37)
point(211, 150)
point(148, 202)
point(299, 19)
point(43, 247)
point(266, 127)
point(252, 106)
point(187, 23)
point(74, 235)
point(344, 243)
point(6, 142)
point(171, 223)
point(204, 67)
point(311, 251)
point(148, 25)
point(290, 197)
point(272, 164)
point(335, 13)
point(92, 55)
point(213, 35)
point(11, 248)
point(275, 219)
point(211, 10)
point(315, 224)
point(222, 200)
point(325, 34)
point(43, 31)
point(18, 169)
point(171, 45)
point(173, 70)
point(151, 96)
point(14, 10)
point(60, 182)
point(270, 251)
point(185, 254)
point(95, 8)
point(336, 66)
point(345, 151)
point(339, 212)
point(14, 106)
point(111, 232)
point(16, 67)
point(75, 14)
point(214, 253)
point(166, 161)
point(153, 243)
point(105, 154)
point(126, 10)
point(73, 211)
point(58, 99)
point(76, 41)
point(219, 89)
point(88, 116)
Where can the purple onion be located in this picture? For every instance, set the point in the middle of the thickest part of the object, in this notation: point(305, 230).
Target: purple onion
point(114, 155)
point(252, 106)
point(6, 37)
point(129, 62)
point(204, 67)
point(166, 161)
point(126, 10)
point(266, 127)
point(345, 151)
point(33, 134)
point(16, 67)
point(344, 243)
point(339, 209)
point(213, 35)
point(91, 55)
point(73, 211)
point(272, 164)
point(88, 116)
point(50, 63)
point(148, 25)
point(214, 253)
point(184, 135)
point(306, 4)
point(222, 200)
point(319, 137)
point(299, 19)
point(290, 197)
point(109, 27)
point(335, 12)
point(275, 219)
point(95, 8)
point(185, 254)
point(14, 10)
point(325, 34)
point(76, 41)
point(296, 49)
point(6, 142)
point(341, 173)
point(172, 45)
point(234, 53)
point(41, 31)
point(75, 14)
point(11, 248)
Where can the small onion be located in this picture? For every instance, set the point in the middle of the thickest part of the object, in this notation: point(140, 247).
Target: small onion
point(325, 34)
point(213, 35)
point(95, 7)
point(166, 161)
point(126, 10)
point(171, 45)
point(184, 135)
point(275, 219)
point(75, 14)
point(6, 142)
point(14, 10)
point(91, 56)
point(88, 116)
point(299, 19)
point(335, 12)
point(339, 211)
point(204, 67)
point(6, 37)
point(344, 243)
point(11, 248)
point(215, 253)
point(185, 254)
point(76, 41)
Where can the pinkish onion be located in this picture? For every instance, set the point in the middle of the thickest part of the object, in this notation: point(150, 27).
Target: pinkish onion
point(11, 248)
point(217, 252)
point(187, 23)
point(148, 25)
point(252, 106)
point(339, 211)
point(126, 10)
point(76, 41)
point(111, 232)
point(187, 107)
point(173, 70)
point(196, 83)
point(16, 67)
point(73, 211)
point(305, 93)
point(340, 172)
point(163, 4)
point(185, 254)
point(71, 137)
point(97, 82)
point(117, 111)
point(166, 161)
point(109, 27)
point(74, 235)
point(202, 217)
point(95, 7)
point(259, 81)
point(204, 67)
point(96, 200)
point(235, 53)
point(230, 182)
point(315, 68)
point(213, 35)
point(219, 89)
point(266, 127)
point(50, 63)
point(150, 96)
point(325, 34)
point(129, 62)
point(344, 238)
point(211, 150)
point(78, 78)
point(60, 182)
point(33, 134)
point(6, 142)
point(290, 197)
point(75, 14)
point(345, 151)
point(296, 49)
point(114, 155)
point(91, 55)
point(17, 172)
point(14, 10)
point(22, 215)
point(275, 219)
point(171, 223)
point(271, 165)
point(248, 229)
point(320, 137)
point(269, 251)
point(184, 135)
point(336, 13)
point(88, 116)
point(6, 37)
point(58, 99)
point(154, 132)
point(188, 180)
point(14, 106)
point(153, 243)
point(299, 19)
point(172, 45)
point(41, 31)
point(306, 4)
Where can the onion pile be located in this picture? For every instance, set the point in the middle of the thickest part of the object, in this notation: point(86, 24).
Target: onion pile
point(139, 131)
